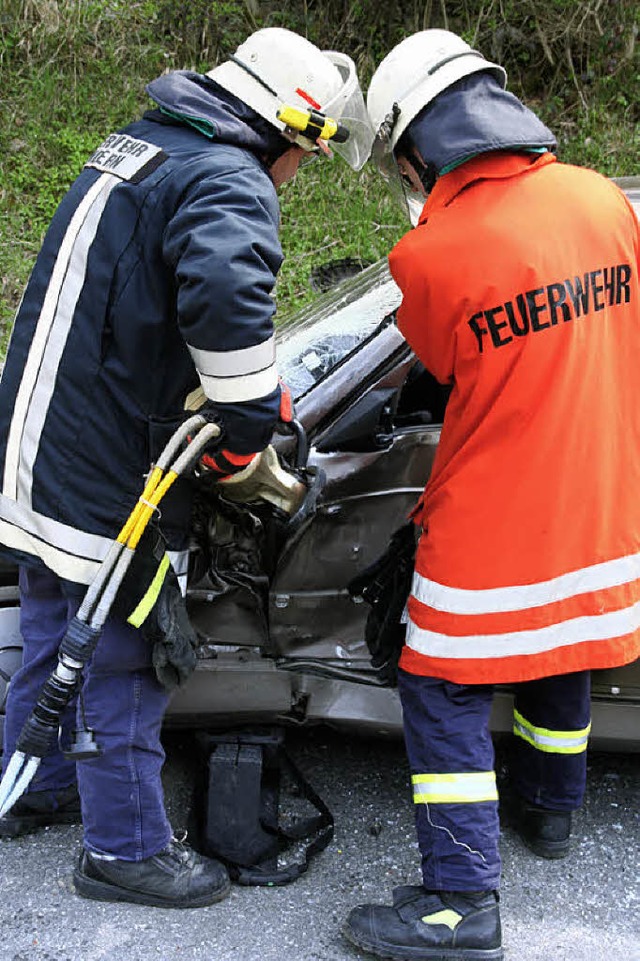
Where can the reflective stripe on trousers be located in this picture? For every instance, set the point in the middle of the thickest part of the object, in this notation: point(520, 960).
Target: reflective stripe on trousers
point(552, 742)
point(454, 788)
point(451, 757)
point(450, 751)
point(552, 725)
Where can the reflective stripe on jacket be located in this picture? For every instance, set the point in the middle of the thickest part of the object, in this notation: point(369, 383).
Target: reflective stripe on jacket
point(154, 278)
point(520, 286)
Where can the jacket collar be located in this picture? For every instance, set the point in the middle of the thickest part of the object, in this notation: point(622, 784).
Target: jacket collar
point(487, 166)
point(196, 101)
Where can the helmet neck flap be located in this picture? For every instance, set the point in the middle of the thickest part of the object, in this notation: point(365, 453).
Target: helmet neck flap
point(436, 94)
point(473, 116)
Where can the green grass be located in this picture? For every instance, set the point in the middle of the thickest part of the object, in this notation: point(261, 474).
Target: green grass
point(328, 213)
point(72, 71)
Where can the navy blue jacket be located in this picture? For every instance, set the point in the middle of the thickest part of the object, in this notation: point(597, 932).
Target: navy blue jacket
point(154, 279)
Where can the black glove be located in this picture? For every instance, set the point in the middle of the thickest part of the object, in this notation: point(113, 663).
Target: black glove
point(166, 624)
point(174, 640)
point(385, 586)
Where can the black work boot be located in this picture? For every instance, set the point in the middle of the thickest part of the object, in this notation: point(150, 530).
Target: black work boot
point(429, 926)
point(547, 833)
point(39, 809)
point(177, 877)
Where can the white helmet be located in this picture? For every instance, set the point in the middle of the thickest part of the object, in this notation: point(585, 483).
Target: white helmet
point(415, 72)
point(302, 91)
point(409, 78)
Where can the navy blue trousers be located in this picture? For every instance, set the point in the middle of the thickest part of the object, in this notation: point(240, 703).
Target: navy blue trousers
point(451, 753)
point(121, 792)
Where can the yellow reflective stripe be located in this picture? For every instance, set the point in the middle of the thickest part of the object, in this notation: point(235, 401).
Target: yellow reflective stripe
point(448, 916)
point(466, 788)
point(551, 742)
point(138, 617)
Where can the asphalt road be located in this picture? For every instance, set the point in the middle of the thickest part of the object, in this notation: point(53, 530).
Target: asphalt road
point(585, 908)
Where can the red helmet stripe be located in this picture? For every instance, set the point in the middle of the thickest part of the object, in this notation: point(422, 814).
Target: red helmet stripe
point(307, 96)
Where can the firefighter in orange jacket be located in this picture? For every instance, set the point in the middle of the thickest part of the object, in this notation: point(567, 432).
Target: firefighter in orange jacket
point(520, 289)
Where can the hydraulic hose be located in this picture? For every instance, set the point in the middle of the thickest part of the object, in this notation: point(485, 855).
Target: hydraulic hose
point(84, 630)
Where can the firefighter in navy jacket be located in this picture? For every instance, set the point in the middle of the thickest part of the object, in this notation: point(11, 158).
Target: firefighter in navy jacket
point(155, 279)
point(520, 290)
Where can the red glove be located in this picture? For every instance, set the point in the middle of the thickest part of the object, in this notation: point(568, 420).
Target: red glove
point(225, 464)
point(286, 403)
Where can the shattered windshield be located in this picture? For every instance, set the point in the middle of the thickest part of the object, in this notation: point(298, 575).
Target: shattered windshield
point(315, 340)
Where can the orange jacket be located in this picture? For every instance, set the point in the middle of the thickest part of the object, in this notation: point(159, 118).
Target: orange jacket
point(520, 286)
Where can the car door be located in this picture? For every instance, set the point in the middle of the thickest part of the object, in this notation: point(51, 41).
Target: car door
point(375, 443)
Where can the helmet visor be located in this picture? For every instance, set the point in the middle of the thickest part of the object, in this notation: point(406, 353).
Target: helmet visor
point(348, 106)
point(402, 191)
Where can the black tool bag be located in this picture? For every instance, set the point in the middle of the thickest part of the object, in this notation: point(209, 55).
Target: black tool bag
point(237, 812)
point(385, 585)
